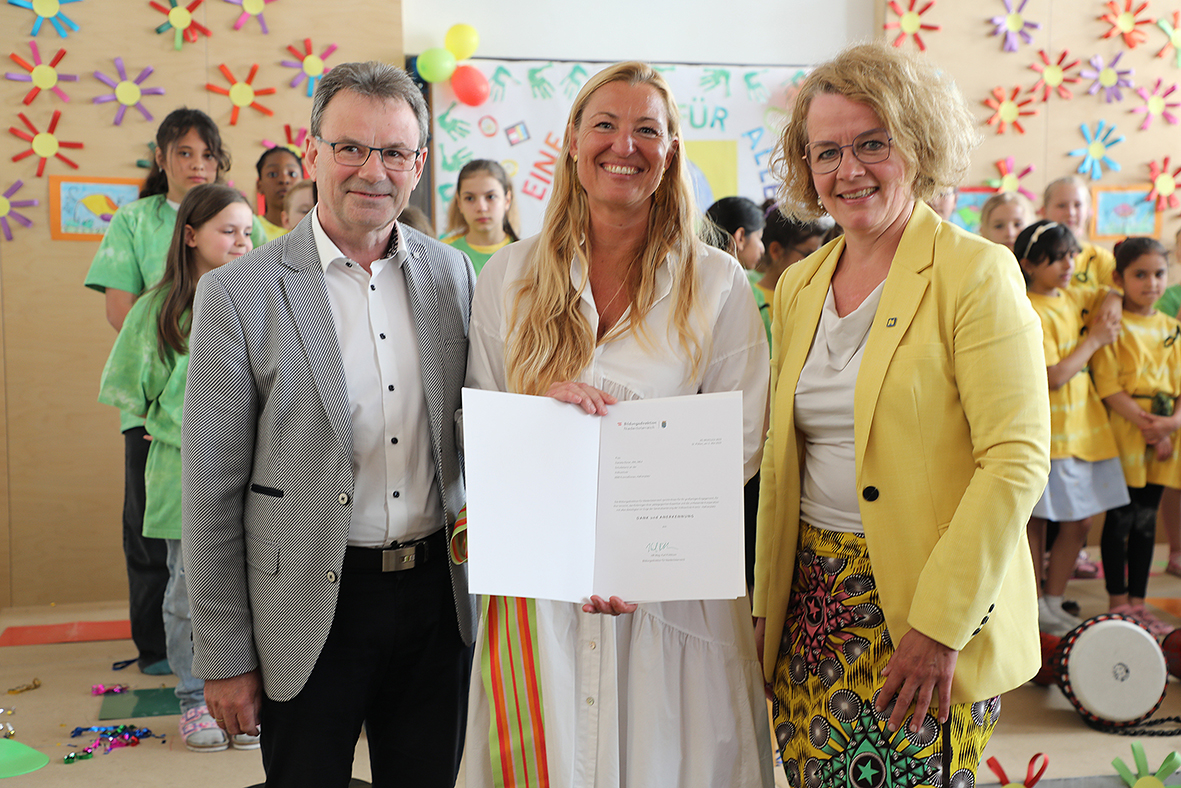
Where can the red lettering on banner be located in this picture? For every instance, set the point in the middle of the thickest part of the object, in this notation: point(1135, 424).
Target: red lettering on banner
point(542, 171)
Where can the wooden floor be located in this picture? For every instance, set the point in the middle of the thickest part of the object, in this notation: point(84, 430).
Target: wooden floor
point(1033, 719)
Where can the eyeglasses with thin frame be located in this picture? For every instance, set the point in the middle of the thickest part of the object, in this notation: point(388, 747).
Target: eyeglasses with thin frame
point(869, 147)
point(354, 154)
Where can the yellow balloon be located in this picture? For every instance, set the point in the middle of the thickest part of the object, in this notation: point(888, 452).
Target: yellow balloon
point(462, 41)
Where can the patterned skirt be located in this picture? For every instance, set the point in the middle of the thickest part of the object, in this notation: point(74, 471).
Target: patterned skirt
point(828, 675)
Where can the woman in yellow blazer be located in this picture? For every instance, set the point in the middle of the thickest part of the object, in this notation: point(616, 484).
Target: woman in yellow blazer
point(908, 442)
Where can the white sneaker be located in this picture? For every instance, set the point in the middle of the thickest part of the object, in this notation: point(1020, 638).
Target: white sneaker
point(244, 741)
point(1049, 622)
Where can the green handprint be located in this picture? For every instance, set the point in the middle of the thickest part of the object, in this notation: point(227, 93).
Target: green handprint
point(754, 86)
point(540, 86)
point(573, 81)
point(716, 77)
point(454, 163)
point(498, 82)
point(456, 128)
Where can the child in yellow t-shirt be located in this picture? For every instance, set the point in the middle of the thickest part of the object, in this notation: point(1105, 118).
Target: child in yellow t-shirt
point(1139, 379)
point(1085, 474)
point(1068, 202)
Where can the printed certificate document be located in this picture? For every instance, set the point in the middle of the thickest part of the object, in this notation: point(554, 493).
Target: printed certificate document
point(644, 503)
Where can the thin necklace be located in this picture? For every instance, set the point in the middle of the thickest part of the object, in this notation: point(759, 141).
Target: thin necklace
point(618, 290)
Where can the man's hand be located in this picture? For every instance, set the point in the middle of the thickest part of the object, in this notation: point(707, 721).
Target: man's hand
point(234, 703)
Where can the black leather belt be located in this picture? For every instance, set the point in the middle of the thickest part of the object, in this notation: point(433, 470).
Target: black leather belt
point(398, 557)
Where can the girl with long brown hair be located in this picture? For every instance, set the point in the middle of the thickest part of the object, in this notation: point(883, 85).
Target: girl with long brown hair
point(145, 375)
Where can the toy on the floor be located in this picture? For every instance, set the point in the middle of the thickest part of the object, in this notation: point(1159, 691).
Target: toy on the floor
point(1045, 676)
point(1171, 646)
point(1143, 777)
point(103, 689)
point(110, 737)
point(1031, 776)
point(1112, 671)
point(17, 759)
point(34, 684)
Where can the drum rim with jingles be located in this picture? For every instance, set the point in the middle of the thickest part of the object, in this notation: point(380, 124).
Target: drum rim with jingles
point(1136, 657)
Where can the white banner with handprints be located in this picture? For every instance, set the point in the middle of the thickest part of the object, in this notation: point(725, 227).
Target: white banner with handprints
point(730, 119)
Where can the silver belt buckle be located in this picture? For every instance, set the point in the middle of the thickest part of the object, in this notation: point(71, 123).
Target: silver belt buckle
point(397, 559)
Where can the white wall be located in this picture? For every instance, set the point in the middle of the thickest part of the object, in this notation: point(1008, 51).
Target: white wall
point(743, 32)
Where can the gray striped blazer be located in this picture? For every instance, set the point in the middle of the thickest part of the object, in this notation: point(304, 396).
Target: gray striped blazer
point(266, 408)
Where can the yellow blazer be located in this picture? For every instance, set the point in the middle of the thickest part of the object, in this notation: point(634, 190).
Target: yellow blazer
point(952, 430)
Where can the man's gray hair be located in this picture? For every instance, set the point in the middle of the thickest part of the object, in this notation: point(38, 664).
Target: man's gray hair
point(375, 80)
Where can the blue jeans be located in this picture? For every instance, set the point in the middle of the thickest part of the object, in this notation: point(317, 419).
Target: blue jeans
point(178, 631)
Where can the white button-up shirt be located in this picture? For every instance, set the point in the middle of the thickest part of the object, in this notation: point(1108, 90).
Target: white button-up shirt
point(396, 494)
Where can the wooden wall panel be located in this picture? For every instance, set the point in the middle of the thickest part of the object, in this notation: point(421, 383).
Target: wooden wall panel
point(965, 47)
point(61, 456)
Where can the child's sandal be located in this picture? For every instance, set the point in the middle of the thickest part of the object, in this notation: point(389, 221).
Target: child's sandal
point(200, 733)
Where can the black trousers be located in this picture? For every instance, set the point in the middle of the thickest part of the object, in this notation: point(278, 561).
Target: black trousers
point(1129, 534)
point(147, 559)
point(394, 662)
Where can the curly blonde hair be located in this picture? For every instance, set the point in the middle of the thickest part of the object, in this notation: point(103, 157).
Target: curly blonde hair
point(549, 338)
point(930, 124)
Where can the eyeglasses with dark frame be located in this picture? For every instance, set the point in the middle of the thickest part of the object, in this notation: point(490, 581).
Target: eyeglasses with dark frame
point(354, 154)
point(869, 147)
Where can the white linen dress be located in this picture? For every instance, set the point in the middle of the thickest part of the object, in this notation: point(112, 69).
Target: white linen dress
point(673, 693)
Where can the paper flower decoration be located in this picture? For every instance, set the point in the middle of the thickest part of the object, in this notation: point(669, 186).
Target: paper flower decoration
point(44, 76)
point(251, 8)
point(127, 92)
point(294, 144)
point(1095, 154)
point(181, 22)
point(1173, 31)
point(48, 9)
point(1010, 180)
point(1143, 777)
point(310, 66)
point(1108, 78)
point(1013, 26)
point(146, 164)
point(1032, 773)
point(1008, 110)
point(242, 94)
point(8, 210)
point(1126, 23)
point(43, 143)
point(1164, 185)
point(1054, 76)
point(910, 22)
point(1157, 103)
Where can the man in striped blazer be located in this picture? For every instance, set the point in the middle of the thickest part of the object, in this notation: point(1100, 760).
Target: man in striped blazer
point(321, 475)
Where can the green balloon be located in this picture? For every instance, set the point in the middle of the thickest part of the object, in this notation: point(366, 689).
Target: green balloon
point(436, 64)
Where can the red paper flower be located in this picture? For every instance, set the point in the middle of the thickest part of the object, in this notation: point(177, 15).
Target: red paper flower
point(242, 94)
point(43, 143)
point(1054, 76)
point(1164, 185)
point(1008, 110)
point(1126, 23)
point(910, 22)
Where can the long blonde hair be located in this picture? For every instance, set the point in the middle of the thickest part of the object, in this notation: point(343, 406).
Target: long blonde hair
point(549, 338)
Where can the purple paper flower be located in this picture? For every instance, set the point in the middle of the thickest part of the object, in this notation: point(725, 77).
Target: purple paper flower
point(1013, 25)
point(1108, 78)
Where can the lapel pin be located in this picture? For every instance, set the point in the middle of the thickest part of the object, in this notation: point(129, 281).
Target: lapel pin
point(891, 322)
